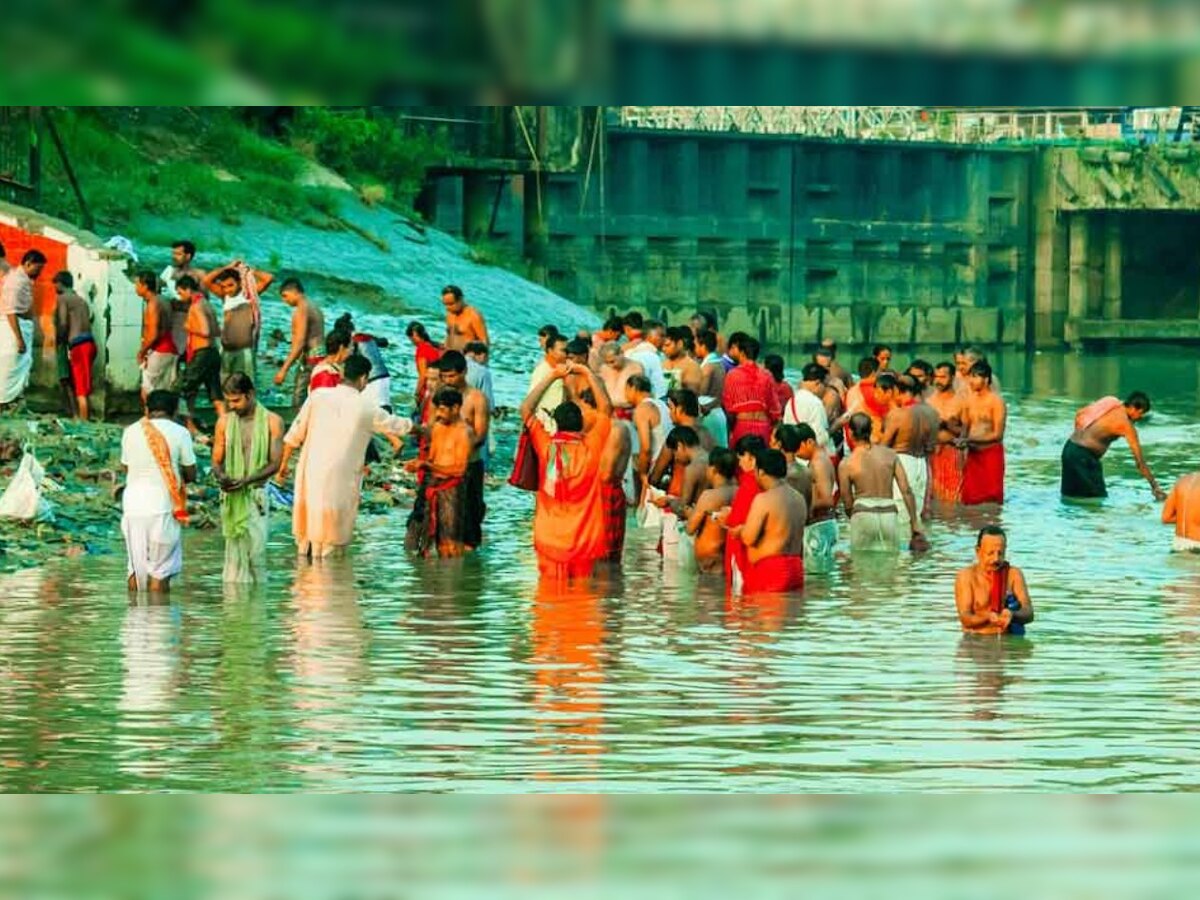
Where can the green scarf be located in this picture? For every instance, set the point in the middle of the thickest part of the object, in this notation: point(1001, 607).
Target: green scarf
point(236, 505)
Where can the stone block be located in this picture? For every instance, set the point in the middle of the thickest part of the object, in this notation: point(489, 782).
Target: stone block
point(806, 328)
point(936, 326)
point(893, 326)
point(979, 325)
point(1012, 324)
point(837, 324)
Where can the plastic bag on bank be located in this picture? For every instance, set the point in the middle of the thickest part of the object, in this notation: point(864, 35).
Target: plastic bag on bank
point(23, 498)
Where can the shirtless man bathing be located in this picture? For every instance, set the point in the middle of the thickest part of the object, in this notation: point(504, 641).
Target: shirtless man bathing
point(464, 323)
point(704, 523)
point(1096, 428)
point(866, 479)
point(991, 595)
point(774, 530)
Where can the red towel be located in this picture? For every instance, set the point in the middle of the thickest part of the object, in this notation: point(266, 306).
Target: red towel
point(775, 575)
point(983, 475)
point(946, 473)
point(739, 510)
point(616, 509)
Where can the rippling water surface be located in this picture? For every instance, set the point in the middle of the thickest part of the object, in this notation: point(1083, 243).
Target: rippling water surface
point(380, 673)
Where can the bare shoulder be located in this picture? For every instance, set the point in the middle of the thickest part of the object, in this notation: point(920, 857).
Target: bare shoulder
point(274, 421)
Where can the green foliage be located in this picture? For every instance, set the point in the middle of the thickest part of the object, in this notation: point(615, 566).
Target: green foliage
point(360, 143)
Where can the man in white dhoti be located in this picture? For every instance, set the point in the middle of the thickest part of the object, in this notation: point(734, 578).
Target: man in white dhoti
point(247, 449)
point(16, 325)
point(159, 460)
point(866, 479)
point(333, 429)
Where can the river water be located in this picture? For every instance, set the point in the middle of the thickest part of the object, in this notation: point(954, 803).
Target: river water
point(381, 673)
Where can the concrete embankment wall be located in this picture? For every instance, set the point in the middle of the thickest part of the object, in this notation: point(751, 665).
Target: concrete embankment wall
point(796, 239)
point(101, 279)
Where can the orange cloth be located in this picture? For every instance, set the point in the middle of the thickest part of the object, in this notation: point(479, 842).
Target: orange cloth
point(569, 522)
point(161, 452)
point(946, 473)
point(983, 475)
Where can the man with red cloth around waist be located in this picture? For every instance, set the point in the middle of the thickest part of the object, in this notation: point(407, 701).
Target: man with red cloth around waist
point(984, 417)
point(736, 561)
point(749, 396)
point(774, 530)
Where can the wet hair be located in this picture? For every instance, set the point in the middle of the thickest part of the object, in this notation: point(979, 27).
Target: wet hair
point(291, 284)
point(724, 461)
point(773, 363)
point(805, 433)
point(867, 366)
point(685, 400)
point(814, 372)
point(990, 531)
point(476, 347)
point(568, 416)
point(344, 323)
point(336, 340)
point(639, 383)
point(588, 397)
point(748, 345)
point(1138, 400)
point(948, 366)
point(707, 338)
point(546, 330)
point(613, 323)
point(921, 366)
point(634, 320)
point(981, 368)
point(238, 383)
point(148, 280)
point(860, 427)
point(356, 367)
point(188, 283)
point(418, 329)
point(186, 246)
point(886, 381)
point(65, 278)
point(880, 348)
point(163, 402)
point(453, 289)
point(577, 347)
point(682, 434)
point(446, 397)
point(554, 339)
point(788, 437)
point(771, 462)
point(33, 256)
point(749, 444)
point(708, 318)
point(452, 361)
point(229, 274)
point(906, 384)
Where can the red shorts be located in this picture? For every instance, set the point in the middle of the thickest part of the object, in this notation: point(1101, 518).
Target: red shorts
point(82, 356)
point(775, 575)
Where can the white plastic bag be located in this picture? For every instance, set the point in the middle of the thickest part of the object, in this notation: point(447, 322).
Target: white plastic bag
point(648, 515)
point(23, 499)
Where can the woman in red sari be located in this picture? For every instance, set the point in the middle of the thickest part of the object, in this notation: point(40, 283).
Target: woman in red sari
point(736, 562)
point(427, 354)
point(750, 397)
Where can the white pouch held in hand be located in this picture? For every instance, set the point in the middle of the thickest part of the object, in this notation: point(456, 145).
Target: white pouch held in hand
point(23, 499)
point(648, 515)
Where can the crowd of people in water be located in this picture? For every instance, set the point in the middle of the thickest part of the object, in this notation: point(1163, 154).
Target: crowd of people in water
point(679, 429)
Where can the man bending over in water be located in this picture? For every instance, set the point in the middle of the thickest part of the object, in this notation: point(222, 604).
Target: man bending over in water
point(1096, 427)
point(821, 533)
point(774, 530)
point(991, 595)
point(704, 524)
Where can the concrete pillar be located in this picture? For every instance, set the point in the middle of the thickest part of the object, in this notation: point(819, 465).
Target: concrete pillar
point(476, 206)
point(1046, 332)
point(1112, 267)
point(1077, 275)
point(536, 227)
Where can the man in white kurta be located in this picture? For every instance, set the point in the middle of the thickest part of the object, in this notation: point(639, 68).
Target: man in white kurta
point(333, 429)
point(16, 325)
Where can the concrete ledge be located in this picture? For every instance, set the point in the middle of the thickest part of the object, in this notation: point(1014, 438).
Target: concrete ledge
point(1137, 329)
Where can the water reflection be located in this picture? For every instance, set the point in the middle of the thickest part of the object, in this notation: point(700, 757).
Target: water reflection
point(377, 672)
